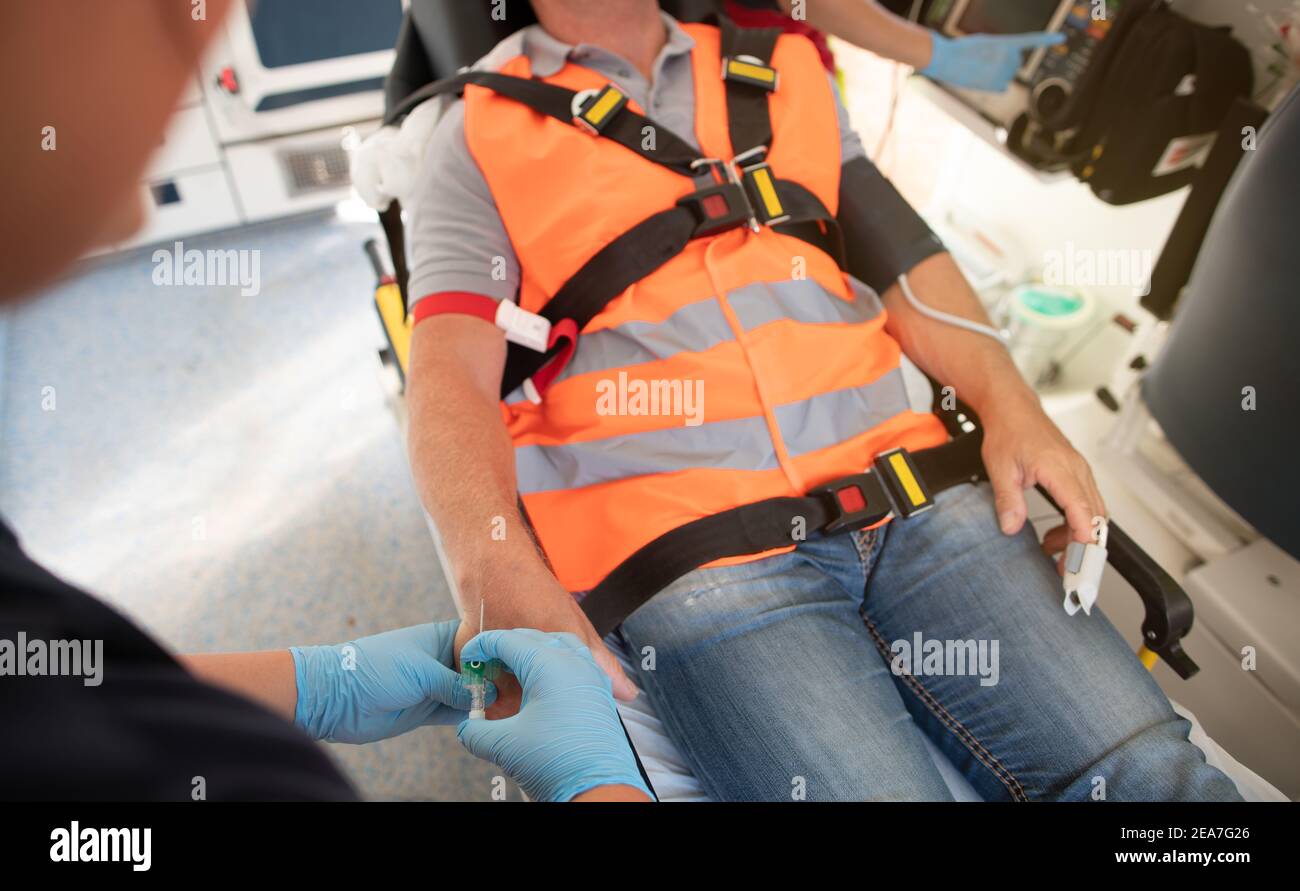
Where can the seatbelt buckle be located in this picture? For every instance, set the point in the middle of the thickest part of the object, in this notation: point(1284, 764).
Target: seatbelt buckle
point(760, 189)
point(750, 70)
point(717, 208)
point(856, 502)
point(903, 481)
point(594, 109)
point(525, 328)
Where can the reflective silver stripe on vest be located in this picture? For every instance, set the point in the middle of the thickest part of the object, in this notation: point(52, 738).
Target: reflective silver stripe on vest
point(699, 326)
point(694, 328)
point(741, 444)
point(802, 300)
point(832, 418)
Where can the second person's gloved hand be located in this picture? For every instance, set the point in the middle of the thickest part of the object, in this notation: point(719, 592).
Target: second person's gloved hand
point(379, 686)
point(983, 61)
point(566, 738)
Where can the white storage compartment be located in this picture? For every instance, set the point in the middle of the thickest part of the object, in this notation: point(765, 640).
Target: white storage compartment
point(186, 204)
point(188, 145)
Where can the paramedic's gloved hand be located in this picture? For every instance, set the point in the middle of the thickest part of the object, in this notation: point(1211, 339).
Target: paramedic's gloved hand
point(983, 61)
point(566, 738)
point(380, 686)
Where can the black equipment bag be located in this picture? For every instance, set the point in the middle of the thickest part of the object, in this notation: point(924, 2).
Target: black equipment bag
point(1146, 113)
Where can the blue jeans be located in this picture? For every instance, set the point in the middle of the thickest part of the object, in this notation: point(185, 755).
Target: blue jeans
point(790, 677)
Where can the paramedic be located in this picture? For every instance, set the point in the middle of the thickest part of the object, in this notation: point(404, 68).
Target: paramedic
point(145, 724)
point(797, 372)
point(978, 61)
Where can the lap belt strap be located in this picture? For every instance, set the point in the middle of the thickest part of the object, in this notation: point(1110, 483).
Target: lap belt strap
point(899, 484)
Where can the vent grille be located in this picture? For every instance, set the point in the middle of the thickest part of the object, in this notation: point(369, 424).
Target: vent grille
point(314, 170)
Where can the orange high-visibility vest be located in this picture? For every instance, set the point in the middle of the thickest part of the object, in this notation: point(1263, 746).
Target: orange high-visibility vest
point(747, 367)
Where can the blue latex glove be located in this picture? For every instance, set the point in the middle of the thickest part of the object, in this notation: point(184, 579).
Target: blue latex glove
point(983, 61)
point(566, 737)
point(379, 686)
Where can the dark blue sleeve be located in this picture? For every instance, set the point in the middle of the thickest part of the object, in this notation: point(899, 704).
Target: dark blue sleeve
point(148, 729)
point(883, 236)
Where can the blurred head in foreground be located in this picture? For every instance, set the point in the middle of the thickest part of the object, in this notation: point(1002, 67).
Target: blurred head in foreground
point(90, 87)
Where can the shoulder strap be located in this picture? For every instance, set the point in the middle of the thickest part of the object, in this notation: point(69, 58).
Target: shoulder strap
point(748, 116)
point(639, 252)
point(626, 128)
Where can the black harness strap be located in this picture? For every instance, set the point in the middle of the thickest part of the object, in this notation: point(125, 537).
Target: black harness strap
point(763, 526)
point(391, 220)
point(642, 250)
point(748, 118)
point(627, 128)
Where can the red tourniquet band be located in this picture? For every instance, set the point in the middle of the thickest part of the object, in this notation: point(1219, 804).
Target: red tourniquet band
point(465, 303)
point(461, 302)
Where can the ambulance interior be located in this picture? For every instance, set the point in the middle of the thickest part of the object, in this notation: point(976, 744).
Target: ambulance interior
point(183, 411)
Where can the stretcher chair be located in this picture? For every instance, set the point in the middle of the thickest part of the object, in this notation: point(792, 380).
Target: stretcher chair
point(439, 38)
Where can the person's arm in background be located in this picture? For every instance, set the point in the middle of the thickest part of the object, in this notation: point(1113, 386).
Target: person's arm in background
point(867, 24)
point(461, 455)
point(977, 61)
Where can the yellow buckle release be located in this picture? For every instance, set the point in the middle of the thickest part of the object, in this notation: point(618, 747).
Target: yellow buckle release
point(910, 494)
point(760, 186)
point(596, 113)
point(748, 70)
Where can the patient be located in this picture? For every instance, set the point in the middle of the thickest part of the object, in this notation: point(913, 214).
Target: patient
point(772, 673)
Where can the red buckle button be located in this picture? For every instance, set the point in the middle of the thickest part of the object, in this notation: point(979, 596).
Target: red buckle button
point(851, 499)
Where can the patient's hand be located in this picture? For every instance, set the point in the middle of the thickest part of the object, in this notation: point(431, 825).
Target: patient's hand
point(551, 611)
point(1023, 448)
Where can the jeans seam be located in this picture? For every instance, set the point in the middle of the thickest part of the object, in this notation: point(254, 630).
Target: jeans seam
point(973, 745)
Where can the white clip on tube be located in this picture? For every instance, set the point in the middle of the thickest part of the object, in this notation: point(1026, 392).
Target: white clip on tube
point(1084, 564)
point(525, 328)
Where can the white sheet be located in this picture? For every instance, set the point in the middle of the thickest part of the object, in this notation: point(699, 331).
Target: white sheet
point(673, 780)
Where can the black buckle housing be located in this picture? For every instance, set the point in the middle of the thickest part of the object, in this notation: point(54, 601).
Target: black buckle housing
point(717, 208)
point(856, 502)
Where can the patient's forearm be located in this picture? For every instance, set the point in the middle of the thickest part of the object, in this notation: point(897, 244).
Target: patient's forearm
point(463, 462)
point(978, 367)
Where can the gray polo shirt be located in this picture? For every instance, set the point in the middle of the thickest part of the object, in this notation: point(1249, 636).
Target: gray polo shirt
point(457, 239)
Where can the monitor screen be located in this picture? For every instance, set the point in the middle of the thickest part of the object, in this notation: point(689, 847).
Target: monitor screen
point(1007, 16)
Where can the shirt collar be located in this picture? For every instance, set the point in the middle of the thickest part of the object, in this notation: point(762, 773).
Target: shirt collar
point(547, 55)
